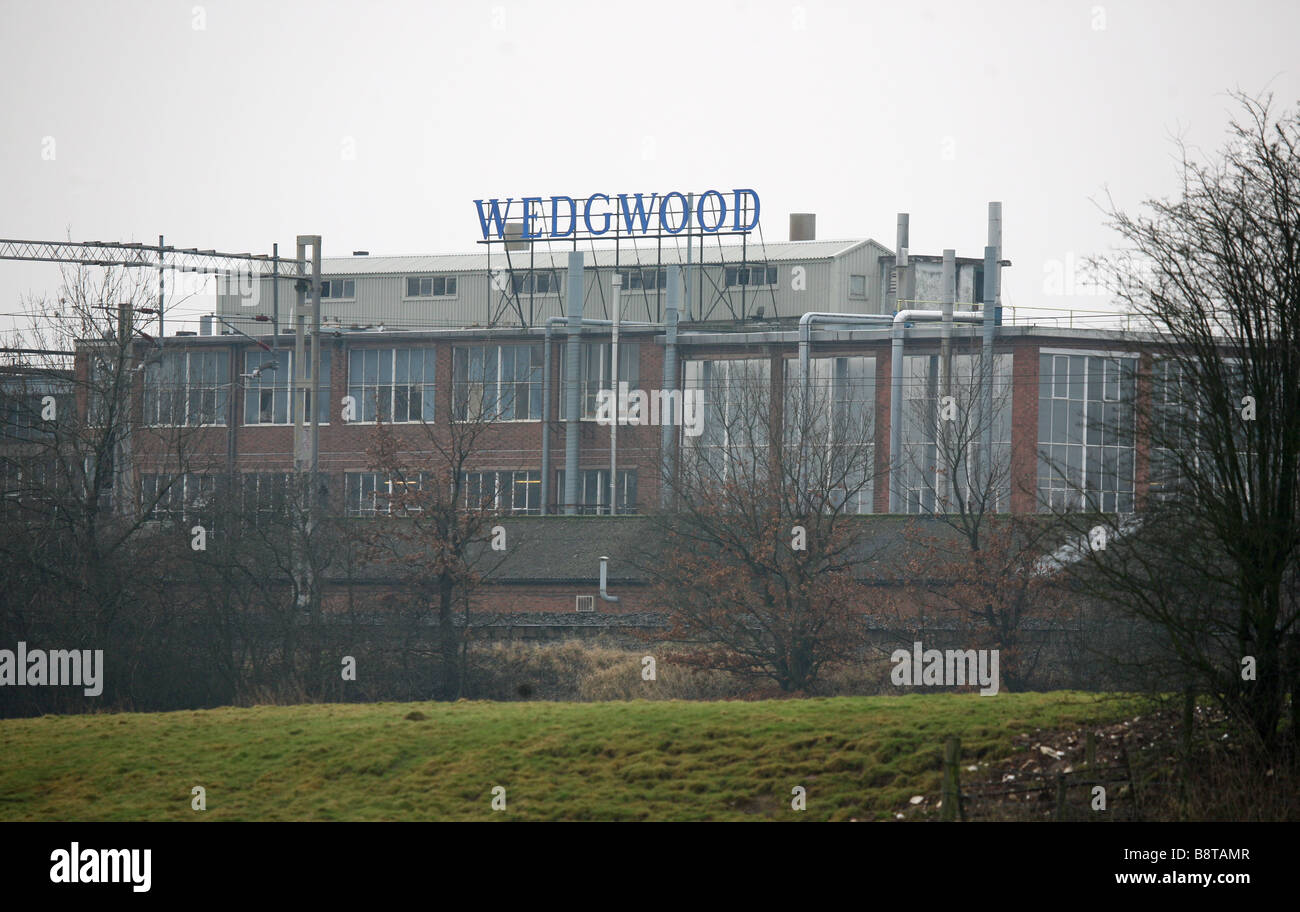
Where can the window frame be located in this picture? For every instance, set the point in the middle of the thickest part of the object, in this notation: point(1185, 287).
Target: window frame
point(322, 389)
point(221, 390)
point(358, 389)
point(536, 354)
point(327, 288)
point(432, 279)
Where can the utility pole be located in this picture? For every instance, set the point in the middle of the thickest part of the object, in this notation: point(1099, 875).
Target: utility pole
point(162, 331)
point(306, 449)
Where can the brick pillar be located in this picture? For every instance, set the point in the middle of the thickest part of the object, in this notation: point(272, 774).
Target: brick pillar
point(1024, 427)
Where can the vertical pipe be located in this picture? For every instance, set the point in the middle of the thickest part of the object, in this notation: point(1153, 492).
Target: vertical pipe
point(546, 421)
point(299, 369)
point(902, 240)
point(275, 297)
point(668, 423)
point(992, 297)
point(618, 390)
point(690, 247)
point(986, 364)
point(315, 376)
point(900, 259)
point(896, 419)
point(945, 346)
point(572, 354)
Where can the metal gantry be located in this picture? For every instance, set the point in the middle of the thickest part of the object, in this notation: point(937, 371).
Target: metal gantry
point(148, 256)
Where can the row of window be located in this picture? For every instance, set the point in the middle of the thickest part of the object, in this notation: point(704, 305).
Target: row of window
point(750, 275)
point(430, 286)
point(490, 382)
point(1086, 420)
point(549, 282)
point(192, 497)
point(1086, 432)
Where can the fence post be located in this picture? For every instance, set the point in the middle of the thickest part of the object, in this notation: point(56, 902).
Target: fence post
point(951, 797)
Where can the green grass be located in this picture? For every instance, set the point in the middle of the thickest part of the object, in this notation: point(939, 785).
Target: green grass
point(856, 756)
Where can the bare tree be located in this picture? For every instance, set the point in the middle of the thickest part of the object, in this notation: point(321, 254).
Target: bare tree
point(1211, 559)
point(977, 567)
point(756, 572)
point(77, 532)
point(441, 515)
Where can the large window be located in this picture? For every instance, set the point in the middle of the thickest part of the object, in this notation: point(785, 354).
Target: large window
point(430, 286)
point(1184, 426)
point(750, 275)
point(594, 371)
point(836, 438)
point(23, 405)
point(504, 492)
point(942, 461)
point(644, 279)
point(187, 388)
point(1086, 432)
point(593, 491)
point(497, 382)
point(396, 383)
point(266, 495)
point(268, 382)
point(187, 498)
point(735, 398)
point(338, 289)
point(374, 493)
point(541, 283)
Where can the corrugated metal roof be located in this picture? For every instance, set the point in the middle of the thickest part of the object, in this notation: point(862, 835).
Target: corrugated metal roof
point(556, 257)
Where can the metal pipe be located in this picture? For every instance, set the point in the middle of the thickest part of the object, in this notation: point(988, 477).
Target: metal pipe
point(805, 334)
point(898, 332)
point(604, 580)
point(617, 389)
point(315, 376)
point(805, 338)
point(986, 358)
point(945, 352)
point(690, 207)
point(546, 398)
point(667, 423)
point(992, 298)
point(573, 351)
point(275, 296)
point(546, 420)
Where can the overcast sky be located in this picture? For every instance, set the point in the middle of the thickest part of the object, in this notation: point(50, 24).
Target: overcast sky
point(233, 125)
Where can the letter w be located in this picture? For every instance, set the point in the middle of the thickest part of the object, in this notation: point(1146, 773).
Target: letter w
point(642, 213)
point(498, 218)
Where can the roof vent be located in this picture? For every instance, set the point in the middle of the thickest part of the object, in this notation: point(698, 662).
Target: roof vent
point(361, 253)
point(803, 226)
point(514, 235)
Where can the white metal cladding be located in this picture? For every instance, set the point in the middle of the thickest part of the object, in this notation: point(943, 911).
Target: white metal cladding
point(482, 298)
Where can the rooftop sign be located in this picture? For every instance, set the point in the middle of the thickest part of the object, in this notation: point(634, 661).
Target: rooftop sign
point(558, 218)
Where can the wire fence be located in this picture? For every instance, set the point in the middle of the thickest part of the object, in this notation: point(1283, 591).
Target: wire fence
point(1092, 792)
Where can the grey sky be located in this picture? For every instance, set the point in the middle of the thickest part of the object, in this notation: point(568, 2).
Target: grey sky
point(236, 134)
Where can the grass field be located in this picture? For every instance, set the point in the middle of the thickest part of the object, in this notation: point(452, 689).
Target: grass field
point(858, 757)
